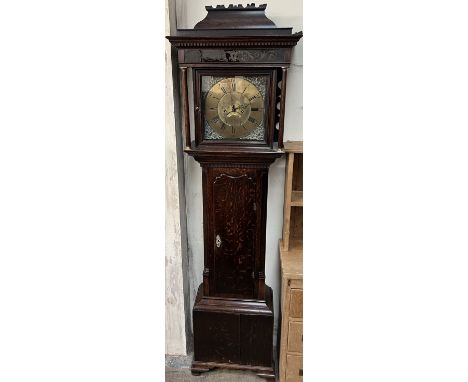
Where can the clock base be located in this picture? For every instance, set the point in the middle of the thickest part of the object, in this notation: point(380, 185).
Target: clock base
point(233, 333)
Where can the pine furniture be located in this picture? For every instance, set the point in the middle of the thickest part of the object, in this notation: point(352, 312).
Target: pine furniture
point(291, 331)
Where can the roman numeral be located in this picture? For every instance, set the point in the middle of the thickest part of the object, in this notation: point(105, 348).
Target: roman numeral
point(254, 109)
point(253, 120)
point(215, 119)
point(233, 129)
point(224, 90)
point(252, 98)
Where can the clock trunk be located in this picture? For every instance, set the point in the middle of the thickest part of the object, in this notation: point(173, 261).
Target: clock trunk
point(234, 214)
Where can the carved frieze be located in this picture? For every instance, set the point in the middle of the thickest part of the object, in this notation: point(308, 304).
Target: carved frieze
point(194, 56)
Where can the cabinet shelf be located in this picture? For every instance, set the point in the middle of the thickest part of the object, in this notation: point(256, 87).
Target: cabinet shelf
point(293, 147)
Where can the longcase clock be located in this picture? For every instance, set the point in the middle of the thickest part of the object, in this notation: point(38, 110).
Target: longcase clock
point(238, 60)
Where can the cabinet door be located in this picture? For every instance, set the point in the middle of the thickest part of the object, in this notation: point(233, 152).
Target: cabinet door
point(295, 306)
point(234, 232)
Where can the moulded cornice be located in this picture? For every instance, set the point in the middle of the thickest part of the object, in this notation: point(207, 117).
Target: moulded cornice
point(235, 41)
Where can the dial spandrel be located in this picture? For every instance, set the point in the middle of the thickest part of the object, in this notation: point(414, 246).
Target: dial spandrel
point(234, 107)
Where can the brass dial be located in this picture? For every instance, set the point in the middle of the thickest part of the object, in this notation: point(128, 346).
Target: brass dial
point(234, 107)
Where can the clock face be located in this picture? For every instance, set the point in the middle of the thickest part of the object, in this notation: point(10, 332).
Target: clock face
point(234, 107)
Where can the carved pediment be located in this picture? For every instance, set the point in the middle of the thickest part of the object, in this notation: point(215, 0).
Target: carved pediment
point(235, 17)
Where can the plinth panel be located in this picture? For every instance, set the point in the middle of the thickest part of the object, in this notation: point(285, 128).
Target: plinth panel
point(233, 331)
point(217, 337)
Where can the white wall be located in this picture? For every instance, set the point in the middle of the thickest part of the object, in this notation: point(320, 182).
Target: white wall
point(283, 14)
point(176, 312)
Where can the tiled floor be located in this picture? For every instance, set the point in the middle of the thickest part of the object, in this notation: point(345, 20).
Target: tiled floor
point(184, 375)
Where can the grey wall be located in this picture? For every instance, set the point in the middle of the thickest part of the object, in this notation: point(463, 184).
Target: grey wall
point(284, 14)
point(178, 326)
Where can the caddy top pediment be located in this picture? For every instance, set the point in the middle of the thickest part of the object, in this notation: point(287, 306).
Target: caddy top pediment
point(235, 26)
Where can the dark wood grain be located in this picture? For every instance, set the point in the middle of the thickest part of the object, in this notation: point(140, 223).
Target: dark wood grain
point(235, 17)
point(234, 206)
point(221, 336)
point(234, 199)
point(284, 78)
point(233, 312)
point(215, 39)
point(234, 333)
point(185, 106)
point(237, 56)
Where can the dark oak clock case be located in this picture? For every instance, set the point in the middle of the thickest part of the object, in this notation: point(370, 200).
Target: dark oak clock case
point(233, 311)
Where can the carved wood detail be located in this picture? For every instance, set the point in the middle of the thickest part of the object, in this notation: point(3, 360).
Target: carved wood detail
point(284, 78)
point(236, 41)
point(234, 165)
point(235, 17)
point(235, 227)
point(240, 56)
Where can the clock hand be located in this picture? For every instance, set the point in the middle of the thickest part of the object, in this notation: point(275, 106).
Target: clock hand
point(242, 106)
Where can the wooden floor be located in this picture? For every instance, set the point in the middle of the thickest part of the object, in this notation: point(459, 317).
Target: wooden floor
point(184, 375)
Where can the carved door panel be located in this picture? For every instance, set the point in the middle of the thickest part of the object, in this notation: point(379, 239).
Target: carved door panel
point(234, 230)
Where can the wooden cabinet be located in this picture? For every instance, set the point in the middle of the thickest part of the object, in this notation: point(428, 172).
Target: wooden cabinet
point(293, 197)
point(291, 316)
point(290, 364)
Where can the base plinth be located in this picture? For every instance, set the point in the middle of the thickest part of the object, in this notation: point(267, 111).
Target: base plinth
point(233, 333)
